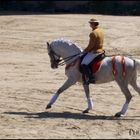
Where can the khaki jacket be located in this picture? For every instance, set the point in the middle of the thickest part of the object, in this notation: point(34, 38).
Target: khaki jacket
point(96, 41)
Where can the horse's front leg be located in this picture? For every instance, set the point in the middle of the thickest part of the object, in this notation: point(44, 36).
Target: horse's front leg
point(70, 81)
point(89, 100)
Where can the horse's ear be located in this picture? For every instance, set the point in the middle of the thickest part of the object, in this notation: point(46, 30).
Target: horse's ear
point(48, 44)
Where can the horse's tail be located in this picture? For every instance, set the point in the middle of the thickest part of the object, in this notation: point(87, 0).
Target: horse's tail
point(137, 62)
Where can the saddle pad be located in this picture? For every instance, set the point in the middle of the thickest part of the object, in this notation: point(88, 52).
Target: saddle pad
point(95, 65)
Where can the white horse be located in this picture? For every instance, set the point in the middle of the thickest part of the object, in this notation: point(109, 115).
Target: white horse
point(67, 51)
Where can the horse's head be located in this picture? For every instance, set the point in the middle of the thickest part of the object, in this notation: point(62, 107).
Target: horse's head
point(62, 51)
point(54, 58)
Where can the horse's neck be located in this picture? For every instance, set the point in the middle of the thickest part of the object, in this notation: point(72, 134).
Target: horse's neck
point(67, 51)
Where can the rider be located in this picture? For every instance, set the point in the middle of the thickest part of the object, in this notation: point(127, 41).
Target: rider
point(94, 48)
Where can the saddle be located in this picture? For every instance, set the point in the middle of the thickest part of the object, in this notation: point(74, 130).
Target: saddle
point(95, 64)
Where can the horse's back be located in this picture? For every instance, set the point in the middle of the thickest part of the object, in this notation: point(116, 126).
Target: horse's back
point(119, 64)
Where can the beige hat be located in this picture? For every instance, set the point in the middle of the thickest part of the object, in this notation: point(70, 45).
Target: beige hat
point(93, 20)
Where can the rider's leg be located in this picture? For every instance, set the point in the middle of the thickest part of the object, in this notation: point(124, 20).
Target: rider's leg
point(86, 69)
point(87, 72)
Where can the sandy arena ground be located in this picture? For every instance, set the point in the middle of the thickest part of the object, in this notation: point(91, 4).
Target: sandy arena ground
point(27, 81)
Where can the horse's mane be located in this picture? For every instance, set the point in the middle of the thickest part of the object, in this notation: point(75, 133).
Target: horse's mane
point(66, 42)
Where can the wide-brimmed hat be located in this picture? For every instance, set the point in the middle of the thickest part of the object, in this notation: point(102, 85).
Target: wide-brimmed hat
point(93, 20)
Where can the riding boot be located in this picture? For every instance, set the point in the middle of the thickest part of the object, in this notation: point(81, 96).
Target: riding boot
point(88, 74)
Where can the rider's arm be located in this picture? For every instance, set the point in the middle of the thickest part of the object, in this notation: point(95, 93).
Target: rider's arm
point(91, 44)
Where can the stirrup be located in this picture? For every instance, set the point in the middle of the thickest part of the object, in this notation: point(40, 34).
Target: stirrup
point(91, 81)
point(87, 81)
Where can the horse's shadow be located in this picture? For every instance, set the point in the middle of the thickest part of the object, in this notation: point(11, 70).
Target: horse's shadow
point(69, 115)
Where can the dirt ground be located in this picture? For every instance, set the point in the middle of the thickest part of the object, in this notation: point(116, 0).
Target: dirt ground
point(27, 81)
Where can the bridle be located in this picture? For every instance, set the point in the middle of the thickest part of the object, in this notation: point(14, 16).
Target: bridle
point(53, 56)
point(60, 61)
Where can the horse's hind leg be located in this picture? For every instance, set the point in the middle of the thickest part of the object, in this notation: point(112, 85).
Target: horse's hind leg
point(134, 83)
point(128, 96)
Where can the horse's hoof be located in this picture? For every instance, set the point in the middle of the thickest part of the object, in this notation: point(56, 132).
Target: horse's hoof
point(118, 115)
point(48, 106)
point(86, 111)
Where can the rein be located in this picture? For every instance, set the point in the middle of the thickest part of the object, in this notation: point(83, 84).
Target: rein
point(62, 61)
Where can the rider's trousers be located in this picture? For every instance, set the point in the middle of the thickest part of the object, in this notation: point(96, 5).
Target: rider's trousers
point(88, 58)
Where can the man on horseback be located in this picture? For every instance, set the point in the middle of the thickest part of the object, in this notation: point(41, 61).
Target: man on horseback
point(119, 68)
point(94, 48)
